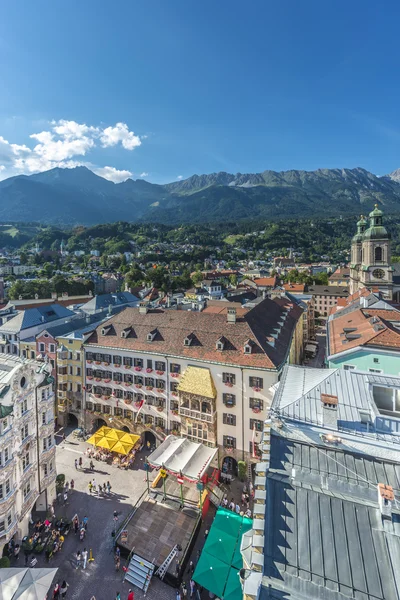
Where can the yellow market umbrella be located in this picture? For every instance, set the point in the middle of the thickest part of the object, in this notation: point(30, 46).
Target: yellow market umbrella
point(96, 437)
point(114, 434)
point(122, 448)
point(130, 438)
point(106, 443)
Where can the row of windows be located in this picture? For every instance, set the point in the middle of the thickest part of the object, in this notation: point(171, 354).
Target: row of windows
point(254, 382)
point(230, 442)
point(128, 378)
point(42, 347)
point(6, 522)
point(129, 362)
point(48, 468)
point(254, 403)
point(230, 419)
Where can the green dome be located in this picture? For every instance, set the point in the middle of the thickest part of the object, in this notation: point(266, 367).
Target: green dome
point(376, 232)
point(376, 212)
point(362, 221)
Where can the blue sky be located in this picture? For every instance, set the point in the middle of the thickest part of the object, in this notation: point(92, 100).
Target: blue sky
point(168, 88)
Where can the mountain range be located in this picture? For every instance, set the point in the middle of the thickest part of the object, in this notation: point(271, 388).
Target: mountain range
point(78, 196)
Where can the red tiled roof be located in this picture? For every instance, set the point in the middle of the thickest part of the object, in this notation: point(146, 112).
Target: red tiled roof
point(294, 287)
point(360, 328)
point(258, 325)
point(265, 281)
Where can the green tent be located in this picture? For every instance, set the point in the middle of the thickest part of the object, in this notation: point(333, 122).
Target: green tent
point(221, 545)
point(228, 522)
point(233, 589)
point(211, 573)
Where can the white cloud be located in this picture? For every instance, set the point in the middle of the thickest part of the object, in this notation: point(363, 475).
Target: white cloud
point(113, 174)
point(120, 133)
point(180, 177)
point(63, 145)
point(2, 168)
point(144, 174)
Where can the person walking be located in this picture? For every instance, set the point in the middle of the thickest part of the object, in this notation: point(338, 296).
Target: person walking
point(56, 591)
point(118, 596)
point(205, 534)
point(76, 463)
point(117, 562)
point(192, 587)
point(63, 589)
point(184, 590)
point(16, 551)
point(108, 488)
point(131, 595)
point(178, 595)
point(65, 497)
point(85, 522)
point(78, 559)
point(191, 568)
point(90, 487)
point(91, 465)
point(80, 462)
point(237, 509)
point(232, 504)
point(76, 525)
point(84, 557)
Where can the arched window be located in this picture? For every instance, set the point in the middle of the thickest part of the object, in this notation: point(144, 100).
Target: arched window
point(378, 254)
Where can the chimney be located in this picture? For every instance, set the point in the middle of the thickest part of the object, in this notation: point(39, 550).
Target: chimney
point(385, 499)
point(231, 315)
point(329, 410)
point(142, 308)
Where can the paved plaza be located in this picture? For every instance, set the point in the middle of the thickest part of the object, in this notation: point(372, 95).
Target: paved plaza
point(100, 578)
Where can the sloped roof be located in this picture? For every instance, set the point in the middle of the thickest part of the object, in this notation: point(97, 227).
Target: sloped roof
point(104, 300)
point(31, 317)
point(173, 327)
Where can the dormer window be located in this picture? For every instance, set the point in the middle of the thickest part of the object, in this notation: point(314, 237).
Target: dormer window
point(247, 349)
point(105, 330)
point(188, 339)
point(152, 335)
point(125, 332)
point(220, 345)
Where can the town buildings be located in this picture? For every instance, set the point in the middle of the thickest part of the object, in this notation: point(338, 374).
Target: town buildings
point(325, 504)
point(209, 377)
point(364, 335)
point(27, 448)
point(340, 277)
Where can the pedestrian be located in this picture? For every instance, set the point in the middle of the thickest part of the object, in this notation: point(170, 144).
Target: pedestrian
point(80, 462)
point(225, 502)
point(104, 488)
point(118, 551)
point(118, 596)
point(78, 559)
point(117, 563)
point(65, 497)
point(16, 551)
point(56, 591)
point(84, 557)
point(91, 465)
point(192, 586)
point(131, 595)
point(85, 522)
point(232, 504)
point(72, 484)
point(108, 488)
point(237, 508)
point(184, 590)
point(76, 463)
point(63, 437)
point(191, 568)
point(90, 487)
point(178, 595)
point(63, 589)
point(205, 534)
point(76, 525)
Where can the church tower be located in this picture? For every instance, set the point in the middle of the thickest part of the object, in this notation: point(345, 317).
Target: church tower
point(356, 255)
point(376, 271)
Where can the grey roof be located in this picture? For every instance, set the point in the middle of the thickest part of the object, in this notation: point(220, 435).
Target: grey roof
point(298, 398)
point(105, 300)
point(318, 542)
point(328, 290)
point(31, 317)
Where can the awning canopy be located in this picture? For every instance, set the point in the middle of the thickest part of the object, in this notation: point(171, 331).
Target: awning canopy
point(223, 546)
point(115, 440)
point(25, 584)
point(179, 455)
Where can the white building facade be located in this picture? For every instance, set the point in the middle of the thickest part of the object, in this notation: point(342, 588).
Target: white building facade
point(27, 447)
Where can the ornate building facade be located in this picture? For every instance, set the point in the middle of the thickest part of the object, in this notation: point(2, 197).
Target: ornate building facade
point(27, 448)
point(371, 256)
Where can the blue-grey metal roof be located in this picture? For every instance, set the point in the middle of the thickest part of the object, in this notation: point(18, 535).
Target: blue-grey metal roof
point(298, 398)
point(320, 544)
point(31, 317)
point(105, 300)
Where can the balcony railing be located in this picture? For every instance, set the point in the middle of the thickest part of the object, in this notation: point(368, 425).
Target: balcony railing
point(196, 414)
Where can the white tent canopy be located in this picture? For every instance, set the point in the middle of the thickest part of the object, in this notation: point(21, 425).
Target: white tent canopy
point(25, 584)
point(180, 455)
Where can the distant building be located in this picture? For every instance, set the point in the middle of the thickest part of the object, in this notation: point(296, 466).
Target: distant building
point(326, 297)
point(109, 301)
point(340, 277)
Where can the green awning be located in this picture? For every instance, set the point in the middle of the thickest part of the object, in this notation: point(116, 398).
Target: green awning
point(221, 545)
point(211, 573)
point(228, 522)
point(233, 588)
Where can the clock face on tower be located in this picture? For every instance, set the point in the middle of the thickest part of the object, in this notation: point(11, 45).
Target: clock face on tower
point(378, 273)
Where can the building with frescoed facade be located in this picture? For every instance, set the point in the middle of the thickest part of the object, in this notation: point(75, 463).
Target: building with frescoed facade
point(27, 447)
point(206, 376)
